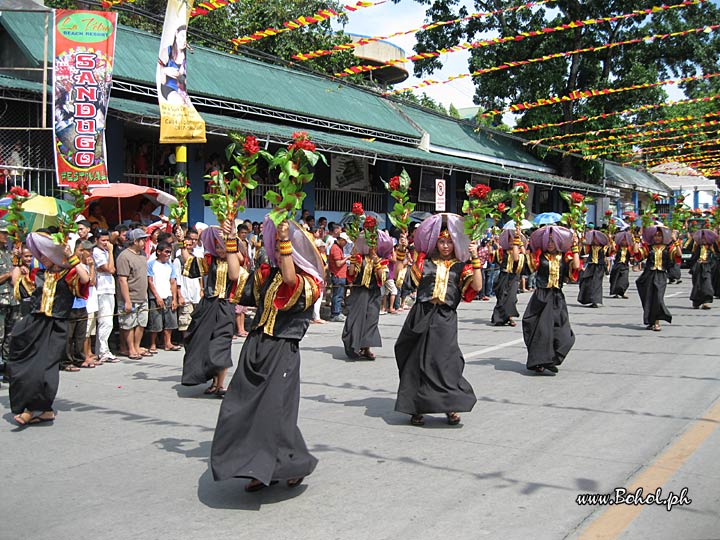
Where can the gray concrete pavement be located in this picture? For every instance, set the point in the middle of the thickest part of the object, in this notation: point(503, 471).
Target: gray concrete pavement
point(128, 455)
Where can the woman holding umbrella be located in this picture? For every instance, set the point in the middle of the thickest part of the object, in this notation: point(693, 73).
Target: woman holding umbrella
point(38, 340)
point(367, 273)
point(660, 253)
point(623, 249)
point(512, 263)
point(591, 278)
point(546, 324)
point(703, 261)
point(429, 360)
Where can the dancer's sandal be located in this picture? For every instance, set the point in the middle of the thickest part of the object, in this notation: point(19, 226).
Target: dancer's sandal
point(417, 420)
point(295, 482)
point(211, 389)
point(257, 485)
point(453, 418)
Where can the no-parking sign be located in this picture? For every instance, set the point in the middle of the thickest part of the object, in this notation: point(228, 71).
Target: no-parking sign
point(439, 195)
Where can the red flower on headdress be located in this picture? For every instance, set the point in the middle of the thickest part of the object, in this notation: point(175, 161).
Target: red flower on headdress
point(522, 186)
point(608, 213)
point(576, 197)
point(394, 183)
point(17, 191)
point(357, 209)
point(501, 207)
point(480, 191)
point(370, 223)
point(251, 145)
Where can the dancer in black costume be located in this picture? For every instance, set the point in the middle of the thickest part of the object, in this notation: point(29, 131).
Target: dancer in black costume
point(512, 264)
point(623, 250)
point(661, 254)
point(257, 436)
point(208, 339)
point(546, 323)
point(37, 344)
point(428, 356)
point(591, 278)
point(703, 262)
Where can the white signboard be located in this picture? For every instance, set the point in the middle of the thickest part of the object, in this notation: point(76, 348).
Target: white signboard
point(439, 195)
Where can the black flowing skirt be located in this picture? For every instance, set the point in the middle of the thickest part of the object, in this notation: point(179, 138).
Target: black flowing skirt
point(361, 325)
point(651, 287)
point(37, 346)
point(546, 328)
point(257, 434)
point(430, 363)
point(208, 341)
point(591, 284)
point(702, 284)
point(716, 280)
point(674, 272)
point(505, 289)
point(619, 279)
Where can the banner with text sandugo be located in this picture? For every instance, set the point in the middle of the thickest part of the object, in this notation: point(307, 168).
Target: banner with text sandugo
point(179, 121)
point(83, 57)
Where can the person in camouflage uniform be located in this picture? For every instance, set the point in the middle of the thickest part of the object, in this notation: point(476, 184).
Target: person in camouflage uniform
point(9, 307)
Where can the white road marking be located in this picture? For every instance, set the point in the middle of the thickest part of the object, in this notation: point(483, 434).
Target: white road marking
point(493, 348)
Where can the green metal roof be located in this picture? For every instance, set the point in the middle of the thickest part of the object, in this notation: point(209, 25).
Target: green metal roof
point(19, 84)
point(366, 147)
point(451, 133)
point(634, 179)
point(233, 77)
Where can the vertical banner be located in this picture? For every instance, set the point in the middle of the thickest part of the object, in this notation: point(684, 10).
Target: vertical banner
point(83, 56)
point(179, 121)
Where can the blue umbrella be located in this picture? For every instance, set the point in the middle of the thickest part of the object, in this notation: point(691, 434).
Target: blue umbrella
point(547, 218)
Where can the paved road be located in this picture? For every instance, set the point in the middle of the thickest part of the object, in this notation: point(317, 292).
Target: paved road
point(128, 455)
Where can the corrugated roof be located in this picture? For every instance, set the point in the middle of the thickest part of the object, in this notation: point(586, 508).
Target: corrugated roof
point(634, 178)
point(217, 74)
point(367, 147)
point(449, 133)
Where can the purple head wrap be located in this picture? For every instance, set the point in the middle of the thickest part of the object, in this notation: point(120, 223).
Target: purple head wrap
point(624, 235)
point(705, 236)
point(384, 245)
point(41, 244)
point(305, 254)
point(561, 237)
point(649, 233)
point(428, 232)
point(596, 238)
point(209, 237)
point(507, 237)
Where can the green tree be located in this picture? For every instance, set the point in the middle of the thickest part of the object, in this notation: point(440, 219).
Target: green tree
point(452, 111)
point(648, 62)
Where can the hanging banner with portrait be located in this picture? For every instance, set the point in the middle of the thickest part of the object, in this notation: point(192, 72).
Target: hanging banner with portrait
point(179, 121)
point(83, 57)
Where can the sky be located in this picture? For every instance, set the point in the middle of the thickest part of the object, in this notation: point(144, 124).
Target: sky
point(388, 18)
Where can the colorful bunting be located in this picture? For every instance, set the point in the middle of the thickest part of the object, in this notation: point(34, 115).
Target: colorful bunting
point(354, 70)
point(581, 94)
point(367, 40)
point(547, 57)
point(656, 149)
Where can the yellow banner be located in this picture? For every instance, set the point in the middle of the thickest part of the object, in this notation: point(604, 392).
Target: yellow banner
point(180, 122)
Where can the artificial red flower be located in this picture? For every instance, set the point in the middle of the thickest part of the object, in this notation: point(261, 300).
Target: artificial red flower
point(370, 223)
point(251, 145)
point(608, 213)
point(501, 207)
point(656, 197)
point(576, 197)
point(522, 187)
point(394, 183)
point(17, 191)
point(480, 191)
point(357, 209)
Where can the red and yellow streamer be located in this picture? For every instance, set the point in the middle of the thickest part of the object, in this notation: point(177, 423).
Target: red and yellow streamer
point(354, 70)
point(553, 56)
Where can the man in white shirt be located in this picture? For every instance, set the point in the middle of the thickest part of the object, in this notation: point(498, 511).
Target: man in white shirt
point(189, 289)
point(105, 270)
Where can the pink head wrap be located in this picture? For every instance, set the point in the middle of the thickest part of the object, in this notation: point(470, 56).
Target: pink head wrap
point(305, 254)
point(428, 232)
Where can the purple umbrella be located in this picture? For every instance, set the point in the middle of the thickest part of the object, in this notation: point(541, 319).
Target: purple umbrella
point(649, 233)
point(507, 237)
point(625, 235)
point(596, 238)
point(561, 236)
point(427, 233)
point(705, 236)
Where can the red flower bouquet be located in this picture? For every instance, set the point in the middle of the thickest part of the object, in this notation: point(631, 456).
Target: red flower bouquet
point(399, 188)
point(371, 234)
point(358, 217)
point(574, 218)
point(482, 205)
